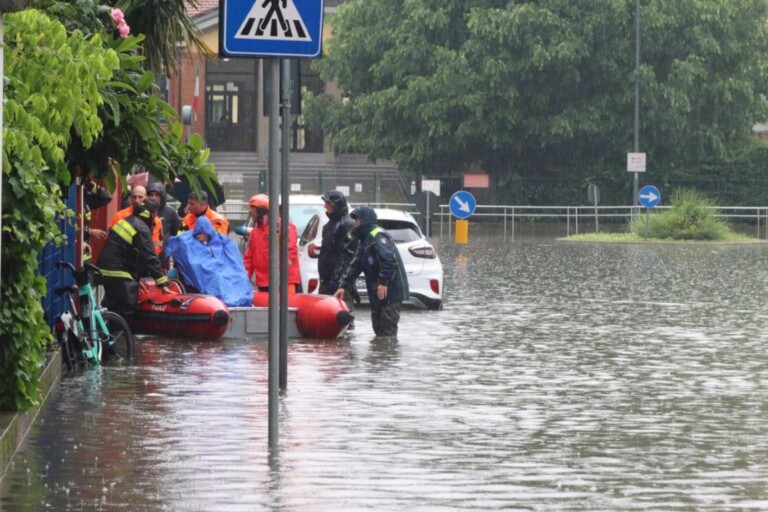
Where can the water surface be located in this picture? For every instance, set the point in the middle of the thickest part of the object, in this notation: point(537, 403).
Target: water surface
point(557, 377)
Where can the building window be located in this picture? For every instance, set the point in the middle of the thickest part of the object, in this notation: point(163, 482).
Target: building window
point(305, 139)
point(231, 104)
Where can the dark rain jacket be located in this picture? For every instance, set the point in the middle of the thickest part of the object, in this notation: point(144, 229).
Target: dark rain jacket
point(170, 219)
point(129, 252)
point(378, 258)
point(337, 250)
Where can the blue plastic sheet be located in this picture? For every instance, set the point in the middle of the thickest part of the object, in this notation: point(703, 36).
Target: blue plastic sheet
point(215, 268)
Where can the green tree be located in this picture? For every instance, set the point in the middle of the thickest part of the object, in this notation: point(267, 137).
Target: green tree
point(79, 99)
point(52, 85)
point(544, 87)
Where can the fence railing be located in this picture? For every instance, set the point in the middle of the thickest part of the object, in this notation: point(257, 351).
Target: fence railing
point(564, 220)
point(576, 219)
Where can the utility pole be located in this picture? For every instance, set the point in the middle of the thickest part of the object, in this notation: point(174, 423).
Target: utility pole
point(637, 96)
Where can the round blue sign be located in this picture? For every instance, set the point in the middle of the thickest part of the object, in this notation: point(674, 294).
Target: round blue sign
point(649, 196)
point(462, 204)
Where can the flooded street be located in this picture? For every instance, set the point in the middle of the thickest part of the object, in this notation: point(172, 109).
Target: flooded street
point(557, 377)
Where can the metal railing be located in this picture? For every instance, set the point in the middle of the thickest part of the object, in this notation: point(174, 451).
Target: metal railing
point(589, 218)
point(568, 219)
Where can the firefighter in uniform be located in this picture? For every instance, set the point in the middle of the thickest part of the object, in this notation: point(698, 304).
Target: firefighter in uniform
point(138, 196)
point(127, 256)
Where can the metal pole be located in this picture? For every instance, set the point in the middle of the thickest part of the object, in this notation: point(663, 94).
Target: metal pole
point(285, 215)
point(597, 226)
point(274, 271)
point(637, 95)
point(505, 223)
point(513, 224)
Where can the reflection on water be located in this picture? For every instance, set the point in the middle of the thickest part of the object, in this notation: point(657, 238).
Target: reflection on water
point(557, 377)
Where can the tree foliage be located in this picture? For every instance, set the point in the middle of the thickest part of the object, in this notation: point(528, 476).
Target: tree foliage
point(52, 84)
point(543, 87)
point(79, 101)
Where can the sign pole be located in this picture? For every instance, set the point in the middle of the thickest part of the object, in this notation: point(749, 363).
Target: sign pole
point(274, 269)
point(637, 93)
point(285, 214)
point(648, 196)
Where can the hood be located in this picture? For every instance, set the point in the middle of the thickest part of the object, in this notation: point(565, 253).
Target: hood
point(366, 214)
point(160, 189)
point(368, 220)
point(203, 225)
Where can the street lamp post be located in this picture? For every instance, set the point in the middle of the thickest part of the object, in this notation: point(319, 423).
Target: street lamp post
point(637, 95)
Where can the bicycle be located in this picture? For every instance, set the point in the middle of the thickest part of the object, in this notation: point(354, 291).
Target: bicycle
point(85, 336)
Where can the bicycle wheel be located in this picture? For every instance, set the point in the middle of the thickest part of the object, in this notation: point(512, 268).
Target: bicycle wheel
point(67, 346)
point(118, 344)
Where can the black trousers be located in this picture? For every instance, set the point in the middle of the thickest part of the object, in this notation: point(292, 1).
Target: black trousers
point(385, 320)
point(120, 295)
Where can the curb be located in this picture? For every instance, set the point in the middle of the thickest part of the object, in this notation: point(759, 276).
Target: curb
point(14, 427)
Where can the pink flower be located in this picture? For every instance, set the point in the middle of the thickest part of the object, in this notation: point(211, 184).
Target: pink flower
point(118, 16)
point(122, 26)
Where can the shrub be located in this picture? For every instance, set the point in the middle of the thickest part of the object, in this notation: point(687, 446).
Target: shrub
point(692, 217)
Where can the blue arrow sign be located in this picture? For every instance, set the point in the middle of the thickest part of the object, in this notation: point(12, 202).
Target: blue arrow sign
point(649, 196)
point(462, 204)
point(271, 28)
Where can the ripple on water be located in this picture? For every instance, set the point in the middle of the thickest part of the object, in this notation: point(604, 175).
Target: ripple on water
point(557, 377)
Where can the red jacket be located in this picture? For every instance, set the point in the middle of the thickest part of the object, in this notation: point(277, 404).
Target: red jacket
point(256, 257)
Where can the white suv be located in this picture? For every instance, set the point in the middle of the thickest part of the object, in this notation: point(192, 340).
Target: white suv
point(422, 265)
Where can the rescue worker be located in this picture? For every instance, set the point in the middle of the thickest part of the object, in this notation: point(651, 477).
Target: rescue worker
point(385, 278)
point(256, 258)
point(197, 205)
point(338, 246)
point(137, 197)
point(127, 256)
point(169, 219)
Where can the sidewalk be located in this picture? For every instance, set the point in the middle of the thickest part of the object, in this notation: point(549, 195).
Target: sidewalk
point(15, 426)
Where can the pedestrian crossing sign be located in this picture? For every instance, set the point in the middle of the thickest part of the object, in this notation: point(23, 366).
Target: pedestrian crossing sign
point(271, 28)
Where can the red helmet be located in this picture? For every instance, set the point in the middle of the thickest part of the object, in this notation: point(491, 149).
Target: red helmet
point(259, 201)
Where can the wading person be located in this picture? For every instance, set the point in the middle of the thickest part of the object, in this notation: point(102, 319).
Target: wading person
point(338, 247)
point(385, 279)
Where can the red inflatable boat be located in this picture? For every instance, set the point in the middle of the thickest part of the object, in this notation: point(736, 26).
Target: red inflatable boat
point(184, 314)
point(317, 316)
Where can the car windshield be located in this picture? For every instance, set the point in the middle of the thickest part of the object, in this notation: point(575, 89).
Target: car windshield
point(301, 213)
point(401, 231)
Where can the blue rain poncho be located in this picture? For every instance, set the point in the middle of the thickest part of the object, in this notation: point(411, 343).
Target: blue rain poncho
point(215, 268)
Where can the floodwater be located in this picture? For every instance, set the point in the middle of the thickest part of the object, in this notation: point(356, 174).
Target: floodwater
point(557, 377)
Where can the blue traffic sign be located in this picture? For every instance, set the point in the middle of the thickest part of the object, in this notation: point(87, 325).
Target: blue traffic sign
point(271, 28)
point(462, 204)
point(649, 196)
